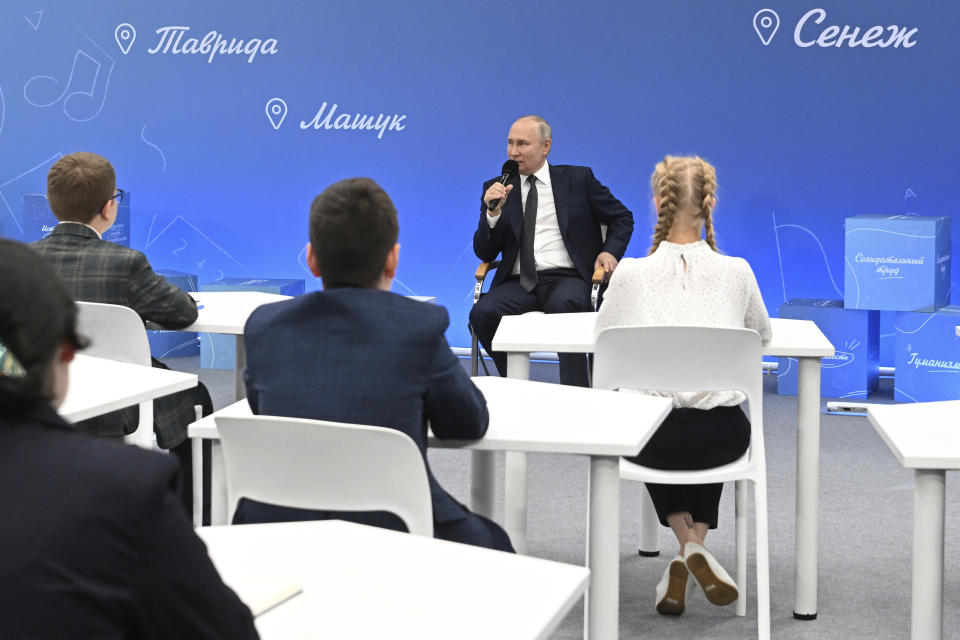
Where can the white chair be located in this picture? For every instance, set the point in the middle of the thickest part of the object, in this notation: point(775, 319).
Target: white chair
point(698, 359)
point(117, 333)
point(312, 464)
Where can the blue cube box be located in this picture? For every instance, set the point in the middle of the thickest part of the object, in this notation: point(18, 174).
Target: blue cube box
point(852, 372)
point(169, 344)
point(897, 263)
point(218, 351)
point(39, 221)
point(927, 356)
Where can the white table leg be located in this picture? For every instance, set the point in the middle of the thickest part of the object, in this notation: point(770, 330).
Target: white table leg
point(483, 482)
point(808, 471)
point(196, 446)
point(218, 486)
point(515, 470)
point(602, 603)
point(926, 617)
point(240, 389)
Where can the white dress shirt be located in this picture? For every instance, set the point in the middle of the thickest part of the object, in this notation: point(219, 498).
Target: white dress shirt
point(689, 285)
point(549, 252)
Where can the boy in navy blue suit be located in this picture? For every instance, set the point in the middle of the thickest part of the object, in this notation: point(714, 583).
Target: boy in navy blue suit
point(357, 353)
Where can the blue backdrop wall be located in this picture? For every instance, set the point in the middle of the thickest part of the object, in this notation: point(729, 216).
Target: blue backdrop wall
point(803, 132)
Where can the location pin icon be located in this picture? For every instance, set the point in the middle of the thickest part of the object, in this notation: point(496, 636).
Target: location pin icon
point(276, 111)
point(125, 34)
point(765, 23)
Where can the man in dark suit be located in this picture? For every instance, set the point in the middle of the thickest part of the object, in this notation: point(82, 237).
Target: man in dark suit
point(357, 353)
point(82, 191)
point(546, 225)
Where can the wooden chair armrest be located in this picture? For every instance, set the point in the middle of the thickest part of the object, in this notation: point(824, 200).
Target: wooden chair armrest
point(485, 268)
point(600, 276)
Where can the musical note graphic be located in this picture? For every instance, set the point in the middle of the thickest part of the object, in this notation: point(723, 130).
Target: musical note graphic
point(85, 91)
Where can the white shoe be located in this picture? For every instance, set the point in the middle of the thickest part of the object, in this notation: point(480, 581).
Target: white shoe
point(674, 588)
point(716, 583)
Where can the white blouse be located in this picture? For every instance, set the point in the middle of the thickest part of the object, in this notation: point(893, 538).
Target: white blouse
point(687, 285)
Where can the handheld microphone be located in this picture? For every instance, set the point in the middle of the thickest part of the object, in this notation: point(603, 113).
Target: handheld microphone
point(509, 169)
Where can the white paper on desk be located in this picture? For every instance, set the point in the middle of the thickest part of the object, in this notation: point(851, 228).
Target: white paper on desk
point(262, 592)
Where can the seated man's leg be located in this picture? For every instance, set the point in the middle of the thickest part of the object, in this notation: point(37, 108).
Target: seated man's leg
point(474, 530)
point(506, 299)
point(567, 294)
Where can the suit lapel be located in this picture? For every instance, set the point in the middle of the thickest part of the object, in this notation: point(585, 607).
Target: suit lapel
point(560, 183)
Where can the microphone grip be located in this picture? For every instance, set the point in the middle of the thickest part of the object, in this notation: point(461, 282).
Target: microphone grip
point(493, 204)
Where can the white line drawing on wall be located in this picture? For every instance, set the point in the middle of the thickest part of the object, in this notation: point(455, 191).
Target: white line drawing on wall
point(909, 194)
point(159, 150)
point(826, 263)
point(765, 23)
point(276, 111)
point(37, 16)
point(125, 34)
point(45, 163)
point(412, 292)
point(302, 261)
point(776, 236)
point(73, 101)
point(151, 239)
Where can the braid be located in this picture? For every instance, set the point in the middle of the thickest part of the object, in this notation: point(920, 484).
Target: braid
point(709, 199)
point(665, 186)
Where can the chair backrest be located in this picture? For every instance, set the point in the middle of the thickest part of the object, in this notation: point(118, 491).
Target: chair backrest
point(661, 358)
point(312, 464)
point(117, 333)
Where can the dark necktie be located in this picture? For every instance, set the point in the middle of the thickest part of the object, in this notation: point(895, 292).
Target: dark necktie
point(528, 266)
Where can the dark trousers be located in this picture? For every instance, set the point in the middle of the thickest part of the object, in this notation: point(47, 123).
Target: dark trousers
point(558, 291)
point(692, 439)
point(474, 530)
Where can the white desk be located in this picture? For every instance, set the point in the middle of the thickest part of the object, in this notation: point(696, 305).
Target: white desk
point(541, 417)
point(519, 336)
point(227, 312)
point(98, 386)
point(924, 437)
point(363, 582)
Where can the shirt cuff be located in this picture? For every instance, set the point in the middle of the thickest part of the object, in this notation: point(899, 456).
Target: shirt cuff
point(492, 221)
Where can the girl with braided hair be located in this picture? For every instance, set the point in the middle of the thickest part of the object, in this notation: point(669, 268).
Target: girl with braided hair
point(685, 281)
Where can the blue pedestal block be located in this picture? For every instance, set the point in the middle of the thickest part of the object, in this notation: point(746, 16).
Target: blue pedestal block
point(927, 356)
point(218, 351)
point(852, 371)
point(39, 221)
point(169, 344)
point(897, 263)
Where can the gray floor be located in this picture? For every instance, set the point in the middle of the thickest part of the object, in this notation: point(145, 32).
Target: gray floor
point(866, 503)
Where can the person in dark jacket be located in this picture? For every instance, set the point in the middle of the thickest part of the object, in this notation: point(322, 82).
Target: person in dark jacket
point(357, 353)
point(94, 543)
